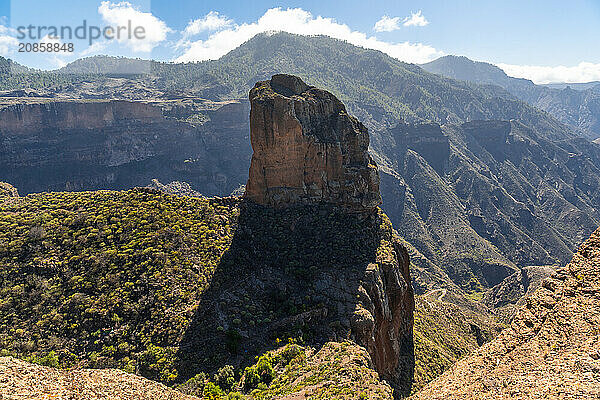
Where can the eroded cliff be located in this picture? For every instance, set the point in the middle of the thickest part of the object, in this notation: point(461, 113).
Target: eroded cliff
point(48, 145)
point(307, 148)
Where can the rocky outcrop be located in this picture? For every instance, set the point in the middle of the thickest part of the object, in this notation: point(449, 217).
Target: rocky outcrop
point(330, 268)
point(175, 188)
point(317, 272)
point(307, 148)
point(512, 292)
point(551, 349)
point(383, 318)
point(491, 135)
point(427, 139)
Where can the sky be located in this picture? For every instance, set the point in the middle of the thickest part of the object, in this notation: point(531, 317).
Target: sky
point(546, 41)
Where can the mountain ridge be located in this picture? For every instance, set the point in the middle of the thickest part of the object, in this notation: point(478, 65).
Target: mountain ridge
point(577, 108)
point(550, 348)
point(479, 187)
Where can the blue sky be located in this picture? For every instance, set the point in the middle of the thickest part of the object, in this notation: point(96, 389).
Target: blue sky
point(541, 40)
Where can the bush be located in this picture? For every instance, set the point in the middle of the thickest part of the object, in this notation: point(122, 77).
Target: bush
point(260, 373)
point(212, 391)
point(194, 386)
point(49, 360)
point(225, 378)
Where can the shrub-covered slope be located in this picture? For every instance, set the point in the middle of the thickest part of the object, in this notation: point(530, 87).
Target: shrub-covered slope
point(106, 279)
point(169, 287)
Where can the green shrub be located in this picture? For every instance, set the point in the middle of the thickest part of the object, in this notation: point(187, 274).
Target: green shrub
point(212, 392)
point(225, 378)
point(260, 373)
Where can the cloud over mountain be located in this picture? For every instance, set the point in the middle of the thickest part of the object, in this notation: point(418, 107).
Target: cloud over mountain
point(299, 21)
point(124, 13)
point(582, 72)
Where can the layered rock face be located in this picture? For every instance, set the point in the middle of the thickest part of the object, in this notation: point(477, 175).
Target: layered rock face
point(426, 139)
point(91, 145)
point(65, 115)
point(307, 148)
point(551, 349)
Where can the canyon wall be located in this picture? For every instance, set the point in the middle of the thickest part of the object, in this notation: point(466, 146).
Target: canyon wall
point(90, 145)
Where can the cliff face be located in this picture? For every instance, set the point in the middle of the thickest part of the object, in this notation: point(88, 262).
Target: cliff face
point(344, 268)
point(425, 139)
point(307, 148)
point(85, 145)
point(550, 350)
point(29, 118)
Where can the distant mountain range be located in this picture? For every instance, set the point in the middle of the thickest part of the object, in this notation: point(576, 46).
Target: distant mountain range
point(577, 105)
point(479, 182)
point(476, 199)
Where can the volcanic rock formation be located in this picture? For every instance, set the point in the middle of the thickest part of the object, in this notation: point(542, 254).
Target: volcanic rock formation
point(307, 148)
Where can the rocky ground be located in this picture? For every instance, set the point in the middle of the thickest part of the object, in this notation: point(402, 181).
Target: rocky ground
point(22, 380)
point(506, 297)
point(550, 351)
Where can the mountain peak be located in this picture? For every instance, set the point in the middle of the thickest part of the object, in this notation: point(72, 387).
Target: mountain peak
point(465, 69)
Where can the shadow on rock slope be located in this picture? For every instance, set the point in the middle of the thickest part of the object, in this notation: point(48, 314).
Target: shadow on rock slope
point(313, 273)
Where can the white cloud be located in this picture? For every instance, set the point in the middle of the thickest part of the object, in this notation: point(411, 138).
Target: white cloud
point(415, 19)
point(94, 48)
point(583, 72)
point(119, 14)
point(53, 40)
point(299, 21)
point(50, 40)
point(8, 43)
point(57, 58)
point(57, 61)
point(210, 22)
point(387, 24)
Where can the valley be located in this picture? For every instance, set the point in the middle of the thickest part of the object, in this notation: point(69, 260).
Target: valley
point(301, 218)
